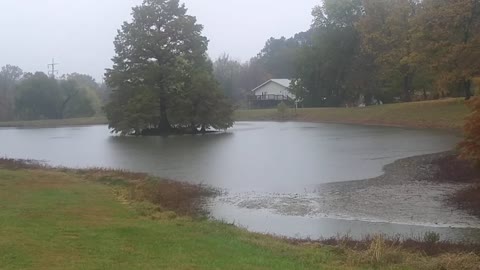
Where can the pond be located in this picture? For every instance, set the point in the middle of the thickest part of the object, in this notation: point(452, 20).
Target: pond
point(277, 177)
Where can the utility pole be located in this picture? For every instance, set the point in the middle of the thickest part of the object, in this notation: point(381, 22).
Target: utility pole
point(51, 68)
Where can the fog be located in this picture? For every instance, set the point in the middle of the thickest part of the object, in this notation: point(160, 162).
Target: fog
point(79, 34)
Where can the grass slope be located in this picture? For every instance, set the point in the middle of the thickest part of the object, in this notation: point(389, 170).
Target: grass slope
point(52, 220)
point(441, 114)
point(63, 219)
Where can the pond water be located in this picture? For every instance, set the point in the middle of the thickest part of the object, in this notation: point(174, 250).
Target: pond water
point(274, 174)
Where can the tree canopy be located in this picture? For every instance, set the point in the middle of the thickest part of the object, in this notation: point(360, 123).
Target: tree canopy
point(161, 77)
point(39, 96)
point(9, 76)
point(34, 96)
point(372, 51)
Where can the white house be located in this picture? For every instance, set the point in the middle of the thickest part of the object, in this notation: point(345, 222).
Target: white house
point(274, 89)
point(271, 93)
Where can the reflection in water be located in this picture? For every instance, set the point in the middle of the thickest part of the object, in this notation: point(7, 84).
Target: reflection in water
point(189, 158)
point(265, 159)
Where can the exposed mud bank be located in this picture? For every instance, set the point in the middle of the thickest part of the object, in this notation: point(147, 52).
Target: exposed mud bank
point(414, 192)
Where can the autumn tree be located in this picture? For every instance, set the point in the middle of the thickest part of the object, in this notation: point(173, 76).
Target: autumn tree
point(470, 146)
point(451, 30)
point(387, 34)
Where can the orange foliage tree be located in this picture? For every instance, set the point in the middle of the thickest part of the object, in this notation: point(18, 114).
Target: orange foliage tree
point(470, 146)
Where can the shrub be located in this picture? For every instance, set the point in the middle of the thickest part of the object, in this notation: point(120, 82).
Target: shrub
point(282, 109)
point(470, 146)
point(431, 238)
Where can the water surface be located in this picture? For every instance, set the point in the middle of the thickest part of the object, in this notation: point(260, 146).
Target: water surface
point(272, 173)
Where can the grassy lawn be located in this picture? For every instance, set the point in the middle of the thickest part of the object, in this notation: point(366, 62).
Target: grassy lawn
point(65, 219)
point(53, 220)
point(441, 114)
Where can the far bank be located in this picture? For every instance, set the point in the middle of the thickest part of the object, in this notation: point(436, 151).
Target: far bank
point(447, 114)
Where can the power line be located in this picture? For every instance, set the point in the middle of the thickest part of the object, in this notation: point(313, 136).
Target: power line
point(51, 68)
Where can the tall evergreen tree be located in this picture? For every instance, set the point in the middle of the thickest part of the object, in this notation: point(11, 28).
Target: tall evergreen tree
point(156, 54)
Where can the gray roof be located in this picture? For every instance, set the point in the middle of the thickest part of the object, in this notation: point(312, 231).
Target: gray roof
point(283, 82)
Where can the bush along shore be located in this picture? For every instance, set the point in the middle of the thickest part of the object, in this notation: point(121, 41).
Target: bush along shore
point(57, 218)
point(453, 169)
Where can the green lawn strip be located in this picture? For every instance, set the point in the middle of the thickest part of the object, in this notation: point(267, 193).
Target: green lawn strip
point(442, 114)
point(67, 223)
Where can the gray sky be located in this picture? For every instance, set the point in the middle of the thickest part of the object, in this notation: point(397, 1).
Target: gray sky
point(80, 33)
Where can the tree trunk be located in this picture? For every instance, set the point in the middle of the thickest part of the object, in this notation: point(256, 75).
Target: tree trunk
point(467, 85)
point(164, 124)
point(193, 127)
point(407, 87)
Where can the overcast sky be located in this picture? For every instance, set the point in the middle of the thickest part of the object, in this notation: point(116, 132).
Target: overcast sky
point(80, 33)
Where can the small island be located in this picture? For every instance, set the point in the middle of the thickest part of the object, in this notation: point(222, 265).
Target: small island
point(162, 79)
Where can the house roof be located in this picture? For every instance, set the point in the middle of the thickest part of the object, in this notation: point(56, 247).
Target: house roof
point(283, 82)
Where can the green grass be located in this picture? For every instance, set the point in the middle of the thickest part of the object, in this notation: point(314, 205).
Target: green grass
point(64, 219)
point(440, 114)
point(54, 220)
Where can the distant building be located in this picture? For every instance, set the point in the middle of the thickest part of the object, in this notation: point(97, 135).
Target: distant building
point(271, 93)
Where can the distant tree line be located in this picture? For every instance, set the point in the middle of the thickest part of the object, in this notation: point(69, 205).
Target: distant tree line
point(355, 50)
point(37, 96)
point(378, 50)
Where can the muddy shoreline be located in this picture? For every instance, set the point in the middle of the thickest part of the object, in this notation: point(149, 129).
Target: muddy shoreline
point(421, 191)
point(441, 168)
point(436, 169)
